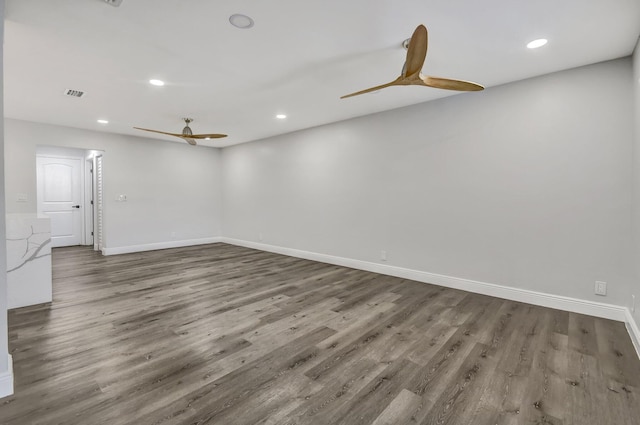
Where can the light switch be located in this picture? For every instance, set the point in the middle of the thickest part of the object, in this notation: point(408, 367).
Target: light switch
point(22, 197)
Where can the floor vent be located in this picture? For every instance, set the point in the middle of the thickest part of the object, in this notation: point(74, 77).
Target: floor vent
point(74, 93)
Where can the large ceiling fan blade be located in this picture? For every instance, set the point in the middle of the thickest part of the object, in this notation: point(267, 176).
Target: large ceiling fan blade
point(371, 89)
point(208, 136)
point(449, 84)
point(416, 52)
point(161, 132)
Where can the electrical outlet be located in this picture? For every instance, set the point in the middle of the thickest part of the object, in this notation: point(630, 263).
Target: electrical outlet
point(383, 255)
point(601, 288)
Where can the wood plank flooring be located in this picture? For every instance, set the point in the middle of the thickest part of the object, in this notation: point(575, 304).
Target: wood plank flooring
point(219, 334)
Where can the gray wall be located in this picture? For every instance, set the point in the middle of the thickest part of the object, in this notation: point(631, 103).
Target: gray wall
point(636, 188)
point(173, 189)
point(526, 185)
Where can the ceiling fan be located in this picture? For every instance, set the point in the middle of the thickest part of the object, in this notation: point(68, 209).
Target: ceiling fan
point(411, 76)
point(187, 134)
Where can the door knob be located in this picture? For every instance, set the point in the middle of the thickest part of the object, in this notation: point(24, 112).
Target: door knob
point(75, 206)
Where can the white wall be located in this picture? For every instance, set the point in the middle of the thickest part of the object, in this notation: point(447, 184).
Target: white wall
point(636, 188)
point(526, 185)
point(6, 378)
point(173, 190)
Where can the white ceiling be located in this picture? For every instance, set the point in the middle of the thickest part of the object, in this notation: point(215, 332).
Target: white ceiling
point(298, 59)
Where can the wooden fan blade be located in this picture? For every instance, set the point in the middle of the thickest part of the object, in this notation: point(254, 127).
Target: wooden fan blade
point(417, 52)
point(448, 84)
point(161, 132)
point(208, 136)
point(190, 138)
point(369, 90)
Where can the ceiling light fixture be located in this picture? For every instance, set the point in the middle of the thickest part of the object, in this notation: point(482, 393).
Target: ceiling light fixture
point(281, 116)
point(187, 133)
point(103, 121)
point(241, 21)
point(537, 43)
point(158, 83)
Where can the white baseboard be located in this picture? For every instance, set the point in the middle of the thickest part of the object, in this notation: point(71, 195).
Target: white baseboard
point(634, 331)
point(6, 380)
point(158, 245)
point(591, 308)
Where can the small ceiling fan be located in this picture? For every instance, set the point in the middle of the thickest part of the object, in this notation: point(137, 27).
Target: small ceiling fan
point(187, 134)
point(411, 76)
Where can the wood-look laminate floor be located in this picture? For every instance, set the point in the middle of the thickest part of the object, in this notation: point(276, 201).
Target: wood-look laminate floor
point(220, 334)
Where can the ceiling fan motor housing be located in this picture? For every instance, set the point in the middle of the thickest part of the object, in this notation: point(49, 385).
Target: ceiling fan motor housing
point(187, 130)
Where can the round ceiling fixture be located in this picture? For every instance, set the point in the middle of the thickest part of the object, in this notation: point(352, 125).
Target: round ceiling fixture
point(103, 121)
point(158, 83)
point(241, 21)
point(537, 43)
point(281, 116)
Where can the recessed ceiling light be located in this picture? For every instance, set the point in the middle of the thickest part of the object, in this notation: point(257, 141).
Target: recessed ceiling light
point(281, 116)
point(207, 138)
point(156, 82)
point(241, 21)
point(103, 121)
point(537, 43)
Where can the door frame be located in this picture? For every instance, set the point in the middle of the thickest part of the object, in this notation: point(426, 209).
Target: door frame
point(86, 182)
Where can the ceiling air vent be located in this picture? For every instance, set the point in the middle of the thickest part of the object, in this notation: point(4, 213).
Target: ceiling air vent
point(74, 93)
point(114, 3)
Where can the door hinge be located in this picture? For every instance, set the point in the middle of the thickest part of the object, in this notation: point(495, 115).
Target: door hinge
point(91, 233)
point(92, 202)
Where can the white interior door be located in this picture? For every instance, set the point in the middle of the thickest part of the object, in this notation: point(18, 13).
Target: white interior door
point(59, 182)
